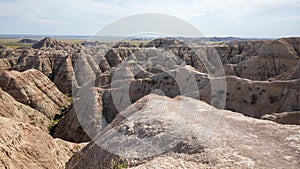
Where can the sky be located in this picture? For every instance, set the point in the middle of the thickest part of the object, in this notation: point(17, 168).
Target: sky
point(240, 18)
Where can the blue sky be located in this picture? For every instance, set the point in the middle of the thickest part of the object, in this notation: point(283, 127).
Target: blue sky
point(243, 18)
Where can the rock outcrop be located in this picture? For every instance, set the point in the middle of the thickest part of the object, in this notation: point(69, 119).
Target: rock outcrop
point(257, 98)
point(34, 89)
point(17, 111)
point(244, 148)
point(27, 41)
point(107, 100)
point(49, 43)
point(4, 50)
point(25, 146)
point(87, 111)
point(252, 98)
point(262, 60)
point(293, 73)
point(114, 106)
point(284, 118)
point(164, 42)
point(255, 60)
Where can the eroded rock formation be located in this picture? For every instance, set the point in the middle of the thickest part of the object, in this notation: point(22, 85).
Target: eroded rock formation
point(34, 89)
point(260, 79)
point(17, 111)
point(25, 146)
point(225, 148)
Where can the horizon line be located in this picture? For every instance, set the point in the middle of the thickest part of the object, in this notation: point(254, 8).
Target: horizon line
point(87, 35)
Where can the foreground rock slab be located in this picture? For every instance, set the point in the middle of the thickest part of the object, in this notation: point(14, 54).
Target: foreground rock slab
point(235, 141)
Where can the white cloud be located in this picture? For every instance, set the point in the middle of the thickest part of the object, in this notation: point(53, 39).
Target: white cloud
point(116, 8)
point(101, 12)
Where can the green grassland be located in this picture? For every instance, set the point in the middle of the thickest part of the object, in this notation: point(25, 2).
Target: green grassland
point(14, 42)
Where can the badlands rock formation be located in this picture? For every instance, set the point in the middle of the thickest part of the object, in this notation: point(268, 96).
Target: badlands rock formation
point(293, 73)
point(236, 142)
point(257, 98)
point(34, 89)
point(261, 60)
point(27, 41)
point(284, 118)
point(49, 43)
point(17, 111)
point(25, 146)
point(260, 80)
point(256, 60)
point(56, 62)
point(61, 71)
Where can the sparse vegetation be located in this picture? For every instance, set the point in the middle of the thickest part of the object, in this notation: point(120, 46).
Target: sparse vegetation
point(17, 45)
point(13, 43)
point(273, 99)
point(253, 99)
point(119, 164)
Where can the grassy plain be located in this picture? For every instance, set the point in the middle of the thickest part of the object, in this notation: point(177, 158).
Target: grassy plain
point(14, 42)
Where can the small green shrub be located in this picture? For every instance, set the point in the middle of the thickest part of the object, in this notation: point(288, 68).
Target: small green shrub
point(119, 164)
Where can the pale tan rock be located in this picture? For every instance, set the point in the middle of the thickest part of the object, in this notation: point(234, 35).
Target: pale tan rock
point(267, 59)
point(257, 98)
point(4, 50)
point(49, 43)
point(87, 111)
point(284, 118)
point(17, 111)
point(25, 146)
point(164, 42)
point(293, 73)
point(34, 89)
point(236, 142)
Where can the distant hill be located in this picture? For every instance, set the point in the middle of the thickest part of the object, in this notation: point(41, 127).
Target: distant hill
point(27, 41)
point(49, 42)
point(222, 39)
point(140, 38)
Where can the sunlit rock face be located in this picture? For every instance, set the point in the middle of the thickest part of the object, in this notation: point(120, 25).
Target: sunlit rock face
point(166, 91)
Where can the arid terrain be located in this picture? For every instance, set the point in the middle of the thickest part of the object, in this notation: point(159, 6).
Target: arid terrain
point(165, 103)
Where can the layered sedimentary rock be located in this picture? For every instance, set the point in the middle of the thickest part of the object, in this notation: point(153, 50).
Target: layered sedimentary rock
point(27, 41)
point(244, 148)
point(55, 62)
point(4, 50)
point(25, 146)
point(292, 73)
point(107, 98)
point(17, 111)
point(257, 98)
point(104, 79)
point(85, 111)
point(266, 59)
point(252, 98)
point(49, 43)
point(34, 89)
point(284, 118)
point(256, 60)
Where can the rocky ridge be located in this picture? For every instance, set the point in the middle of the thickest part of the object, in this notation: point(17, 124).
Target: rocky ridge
point(10, 108)
point(220, 150)
point(49, 43)
point(34, 89)
point(25, 146)
point(104, 79)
